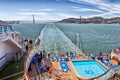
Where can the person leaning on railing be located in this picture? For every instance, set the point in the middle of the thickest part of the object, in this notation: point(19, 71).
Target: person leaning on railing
point(30, 44)
point(119, 63)
point(26, 44)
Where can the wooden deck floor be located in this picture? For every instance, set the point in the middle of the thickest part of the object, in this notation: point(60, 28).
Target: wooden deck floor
point(32, 72)
point(68, 75)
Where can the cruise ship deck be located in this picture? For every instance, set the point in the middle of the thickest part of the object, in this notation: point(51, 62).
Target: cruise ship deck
point(65, 75)
point(34, 72)
point(41, 65)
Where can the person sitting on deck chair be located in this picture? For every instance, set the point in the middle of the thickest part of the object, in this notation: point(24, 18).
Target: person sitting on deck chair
point(55, 72)
point(46, 68)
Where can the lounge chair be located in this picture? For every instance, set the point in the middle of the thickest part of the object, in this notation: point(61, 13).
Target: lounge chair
point(41, 69)
point(115, 67)
point(58, 58)
point(53, 58)
point(105, 62)
point(64, 66)
point(71, 57)
point(110, 63)
point(94, 56)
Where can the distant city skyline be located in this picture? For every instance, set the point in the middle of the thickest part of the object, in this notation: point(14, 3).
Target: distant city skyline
point(57, 9)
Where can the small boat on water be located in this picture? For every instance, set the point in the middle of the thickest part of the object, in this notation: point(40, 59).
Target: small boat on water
point(11, 46)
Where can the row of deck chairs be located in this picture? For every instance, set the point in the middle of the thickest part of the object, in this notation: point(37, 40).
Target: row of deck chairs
point(64, 66)
point(63, 58)
point(108, 63)
point(115, 67)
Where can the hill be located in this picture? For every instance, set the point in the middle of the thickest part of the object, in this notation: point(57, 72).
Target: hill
point(98, 20)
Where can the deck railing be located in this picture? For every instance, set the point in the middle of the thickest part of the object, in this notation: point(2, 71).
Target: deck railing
point(27, 63)
point(6, 31)
point(11, 35)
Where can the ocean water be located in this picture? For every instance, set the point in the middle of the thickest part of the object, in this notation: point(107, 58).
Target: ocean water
point(31, 31)
point(53, 40)
point(93, 37)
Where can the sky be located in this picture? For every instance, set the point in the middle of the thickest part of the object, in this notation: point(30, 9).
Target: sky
point(57, 9)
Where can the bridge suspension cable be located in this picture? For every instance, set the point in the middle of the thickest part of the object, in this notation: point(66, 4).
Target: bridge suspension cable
point(33, 17)
point(27, 17)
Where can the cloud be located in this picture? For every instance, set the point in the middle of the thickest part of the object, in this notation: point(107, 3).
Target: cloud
point(45, 15)
point(97, 8)
point(35, 13)
point(37, 10)
point(48, 16)
point(86, 9)
point(67, 15)
point(107, 15)
point(8, 16)
point(40, 14)
point(109, 8)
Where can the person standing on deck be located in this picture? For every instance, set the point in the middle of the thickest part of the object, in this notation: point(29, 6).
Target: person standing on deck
point(48, 55)
point(37, 42)
point(26, 44)
point(30, 43)
point(100, 53)
point(40, 57)
point(44, 54)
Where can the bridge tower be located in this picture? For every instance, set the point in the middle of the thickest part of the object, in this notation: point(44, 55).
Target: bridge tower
point(33, 19)
point(80, 20)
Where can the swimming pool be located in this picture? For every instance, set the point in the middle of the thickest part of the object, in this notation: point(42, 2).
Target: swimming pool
point(89, 68)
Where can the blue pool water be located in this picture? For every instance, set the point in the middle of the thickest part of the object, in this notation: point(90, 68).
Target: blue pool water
point(89, 69)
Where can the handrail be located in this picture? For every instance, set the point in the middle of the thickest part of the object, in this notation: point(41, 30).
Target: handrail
point(3, 57)
point(10, 34)
point(102, 74)
point(25, 68)
point(26, 65)
point(26, 73)
point(15, 34)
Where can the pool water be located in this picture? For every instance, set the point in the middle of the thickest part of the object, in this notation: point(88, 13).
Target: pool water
point(89, 69)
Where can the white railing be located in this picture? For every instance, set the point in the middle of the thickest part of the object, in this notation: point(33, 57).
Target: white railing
point(27, 64)
point(29, 58)
point(5, 31)
point(4, 37)
point(1, 36)
point(13, 35)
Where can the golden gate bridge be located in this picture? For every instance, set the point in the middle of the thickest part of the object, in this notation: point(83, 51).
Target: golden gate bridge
point(31, 18)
